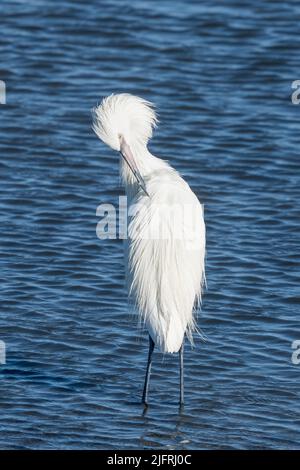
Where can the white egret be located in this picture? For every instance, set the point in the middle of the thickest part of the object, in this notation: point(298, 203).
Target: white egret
point(165, 248)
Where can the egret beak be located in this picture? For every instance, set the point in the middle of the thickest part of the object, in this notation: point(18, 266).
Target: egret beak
point(126, 153)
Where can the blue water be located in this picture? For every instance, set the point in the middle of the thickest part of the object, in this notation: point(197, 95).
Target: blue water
point(220, 74)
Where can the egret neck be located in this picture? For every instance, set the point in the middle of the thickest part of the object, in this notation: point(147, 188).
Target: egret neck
point(136, 165)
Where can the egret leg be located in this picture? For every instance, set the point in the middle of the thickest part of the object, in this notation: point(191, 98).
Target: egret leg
point(148, 370)
point(181, 398)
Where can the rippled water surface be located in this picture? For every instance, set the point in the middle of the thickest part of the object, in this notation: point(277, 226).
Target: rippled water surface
point(220, 74)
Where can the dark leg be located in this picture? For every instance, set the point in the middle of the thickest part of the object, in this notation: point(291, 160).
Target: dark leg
point(148, 370)
point(181, 399)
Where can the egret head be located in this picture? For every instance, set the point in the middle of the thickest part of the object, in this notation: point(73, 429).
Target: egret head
point(126, 117)
point(125, 123)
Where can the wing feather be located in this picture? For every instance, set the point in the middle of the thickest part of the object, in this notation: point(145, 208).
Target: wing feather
point(165, 258)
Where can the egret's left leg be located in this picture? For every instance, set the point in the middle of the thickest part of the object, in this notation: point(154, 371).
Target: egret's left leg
point(181, 398)
point(148, 370)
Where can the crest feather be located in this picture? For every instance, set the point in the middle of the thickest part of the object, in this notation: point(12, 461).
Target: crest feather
point(125, 114)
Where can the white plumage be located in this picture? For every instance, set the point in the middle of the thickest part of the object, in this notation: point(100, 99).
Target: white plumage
point(165, 249)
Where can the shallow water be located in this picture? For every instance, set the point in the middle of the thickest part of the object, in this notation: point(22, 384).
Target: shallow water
point(220, 75)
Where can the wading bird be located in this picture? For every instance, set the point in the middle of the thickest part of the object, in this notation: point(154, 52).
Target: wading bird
point(165, 247)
